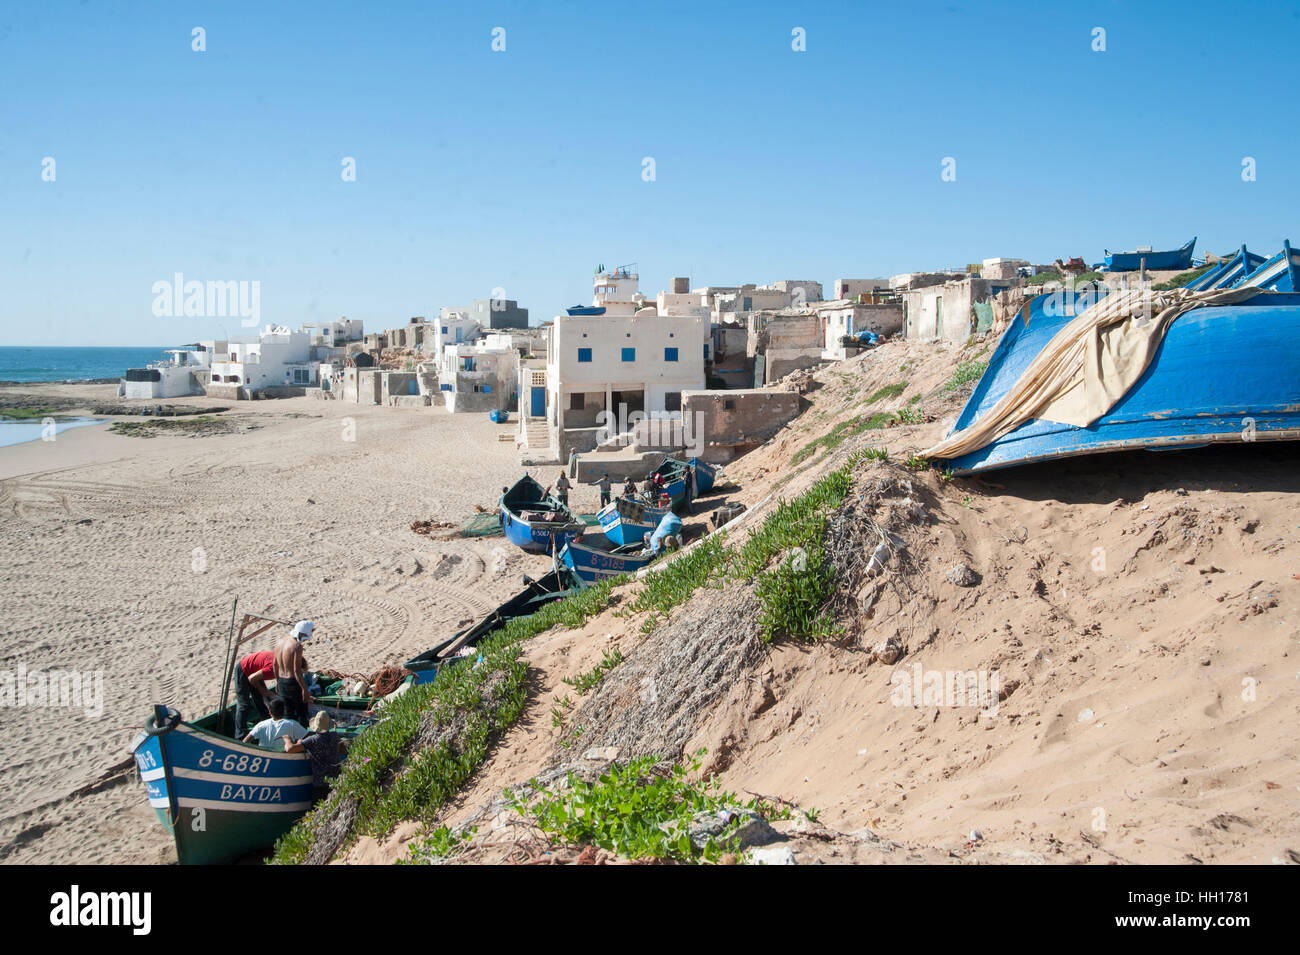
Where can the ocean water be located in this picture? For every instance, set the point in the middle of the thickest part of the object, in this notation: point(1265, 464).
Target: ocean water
point(44, 363)
point(19, 432)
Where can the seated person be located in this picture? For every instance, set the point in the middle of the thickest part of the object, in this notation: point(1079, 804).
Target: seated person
point(267, 733)
point(325, 747)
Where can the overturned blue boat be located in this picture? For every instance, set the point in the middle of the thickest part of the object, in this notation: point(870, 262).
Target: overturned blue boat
point(536, 521)
point(1179, 259)
point(1224, 371)
point(1281, 273)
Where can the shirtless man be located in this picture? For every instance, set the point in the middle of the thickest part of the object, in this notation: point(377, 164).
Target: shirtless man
point(289, 682)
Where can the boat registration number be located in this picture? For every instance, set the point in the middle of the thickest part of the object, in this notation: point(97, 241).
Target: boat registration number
point(236, 763)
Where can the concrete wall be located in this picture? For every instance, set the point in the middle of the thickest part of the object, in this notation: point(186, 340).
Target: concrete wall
point(944, 311)
point(850, 288)
point(728, 423)
point(498, 313)
point(395, 384)
point(787, 342)
point(851, 319)
point(370, 386)
point(489, 387)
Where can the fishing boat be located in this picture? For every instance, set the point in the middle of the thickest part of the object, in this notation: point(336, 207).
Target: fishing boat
point(625, 521)
point(1175, 259)
point(673, 472)
point(1222, 373)
point(559, 583)
point(536, 521)
point(593, 564)
point(1227, 273)
point(220, 798)
point(586, 310)
point(1281, 273)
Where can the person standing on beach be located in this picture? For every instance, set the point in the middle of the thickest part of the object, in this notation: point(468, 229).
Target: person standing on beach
point(289, 681)
point(629, 489)
point(562, 489)
point(251, 691)
point(603, 484)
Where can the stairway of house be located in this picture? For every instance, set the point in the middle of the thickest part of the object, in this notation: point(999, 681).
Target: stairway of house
point(535, 442)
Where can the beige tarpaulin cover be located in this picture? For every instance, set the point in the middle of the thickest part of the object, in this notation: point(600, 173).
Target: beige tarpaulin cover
point(1088, 366)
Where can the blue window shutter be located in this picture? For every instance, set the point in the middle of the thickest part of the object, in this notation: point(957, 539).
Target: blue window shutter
point(487, 389)
point(670, 354)
point(629, 354)
point(584, 354)
point(445, 387)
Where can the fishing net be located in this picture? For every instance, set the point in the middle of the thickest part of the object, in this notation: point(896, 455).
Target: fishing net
point(482, 525)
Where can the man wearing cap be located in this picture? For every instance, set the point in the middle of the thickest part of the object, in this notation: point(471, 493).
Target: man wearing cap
point(289, 681)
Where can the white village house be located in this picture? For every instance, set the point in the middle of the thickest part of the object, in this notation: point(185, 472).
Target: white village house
point(279, 358)
point(184, 371)
point(621, 356)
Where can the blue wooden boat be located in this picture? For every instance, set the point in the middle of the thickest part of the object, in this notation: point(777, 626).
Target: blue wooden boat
point(1227, 273)
point(1281, 273)
point(1180, 259)
point(674, 471)
point(1223, 373)
point(593, 564)
point(221, 799)
point(536, 521)
point(586, 310)
point(627, 521)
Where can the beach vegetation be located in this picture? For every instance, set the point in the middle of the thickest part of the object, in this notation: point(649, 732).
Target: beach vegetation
point(967, 371)
point(25, 414)
point(1182, 278)
point(888, 392)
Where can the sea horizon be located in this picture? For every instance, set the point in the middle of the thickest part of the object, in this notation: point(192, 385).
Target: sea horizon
point(36, 363)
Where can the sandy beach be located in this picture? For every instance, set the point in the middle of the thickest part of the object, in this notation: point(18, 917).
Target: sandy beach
point(124, 554)
point(1140, 609)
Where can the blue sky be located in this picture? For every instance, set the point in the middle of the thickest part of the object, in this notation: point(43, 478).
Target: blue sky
point(522, 169)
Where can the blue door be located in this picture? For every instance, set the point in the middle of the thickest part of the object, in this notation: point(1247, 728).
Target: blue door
point(539, 403)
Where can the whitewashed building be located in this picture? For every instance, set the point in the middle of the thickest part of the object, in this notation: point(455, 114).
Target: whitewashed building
point(181, 372)
point(279, 358)
point(620, 356)
point(478, 376)
point(848, 318)
point(453, 327)
point(335, 334)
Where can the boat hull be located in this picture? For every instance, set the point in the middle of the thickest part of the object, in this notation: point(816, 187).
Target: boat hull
point(1180, 259)
point(535, 595)
point(220, 799)
point(1190, 395)
point(624, 525)
point(536, 536)
point(593, 565)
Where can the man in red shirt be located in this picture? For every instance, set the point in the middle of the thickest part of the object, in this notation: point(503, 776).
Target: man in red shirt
point(251, 691)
